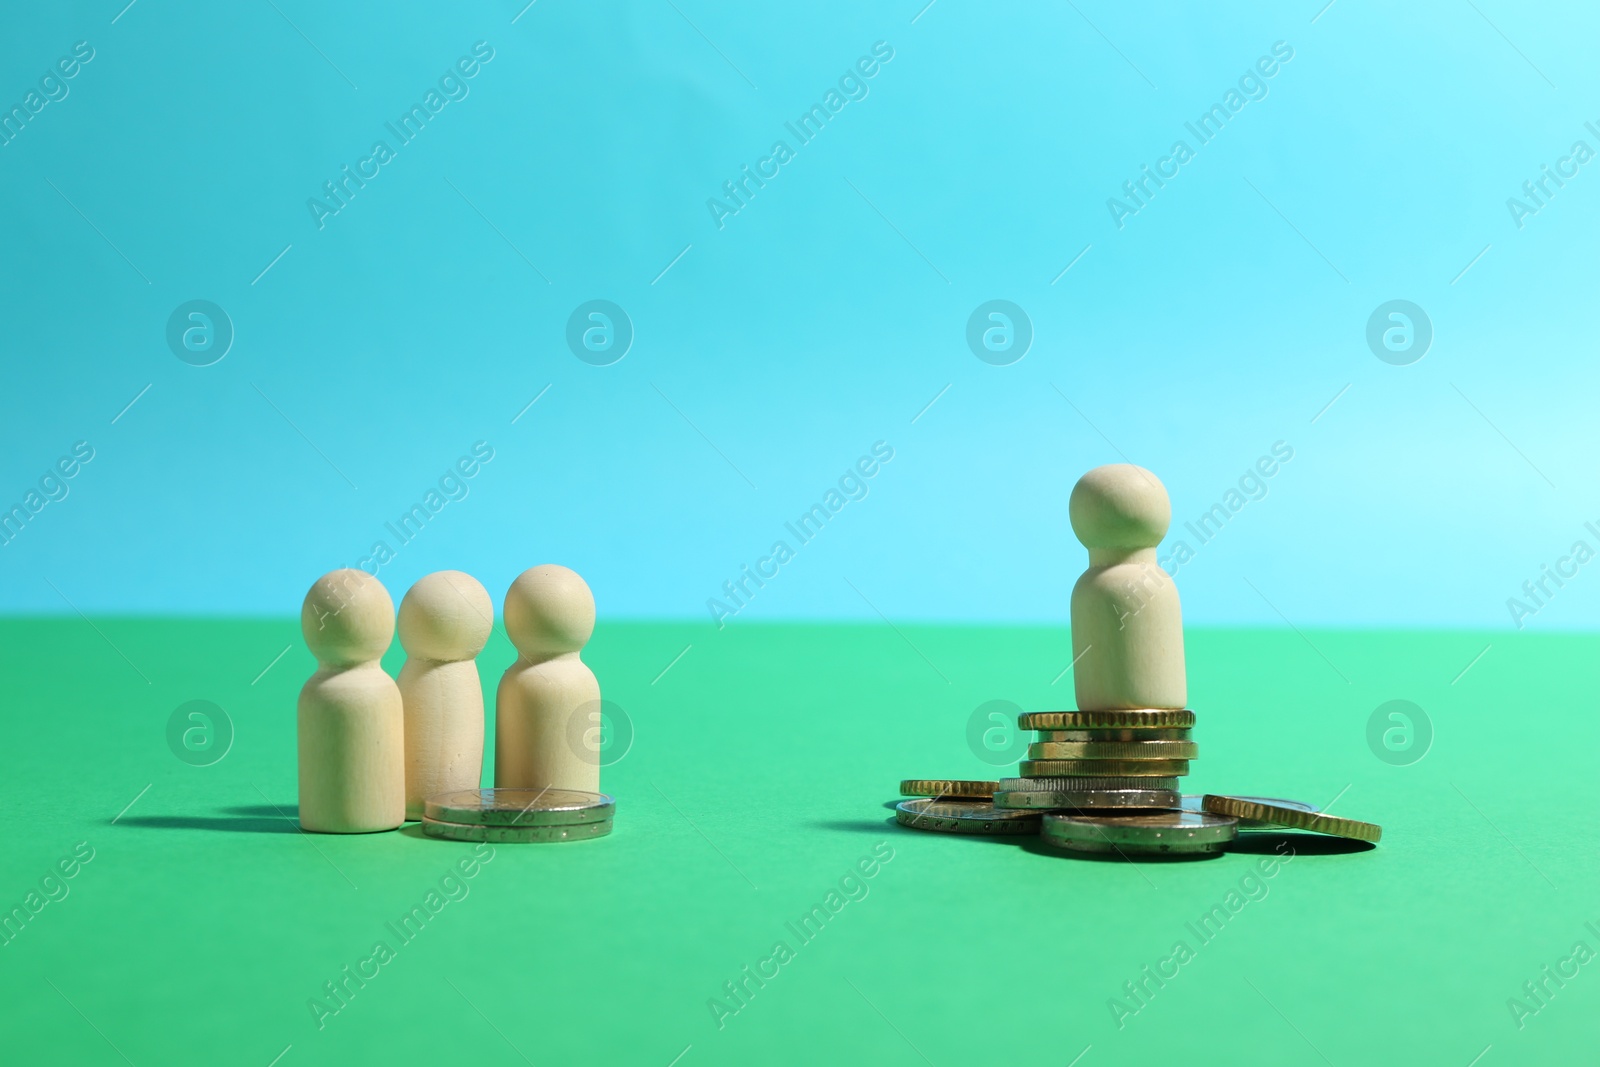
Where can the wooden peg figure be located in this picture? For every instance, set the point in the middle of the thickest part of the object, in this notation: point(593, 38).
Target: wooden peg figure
point(351, 729)
point(445, 621)
point(549, 616)
point(1127, 626)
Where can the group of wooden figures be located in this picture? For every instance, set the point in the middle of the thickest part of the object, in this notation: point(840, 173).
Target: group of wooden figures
point(373, 751)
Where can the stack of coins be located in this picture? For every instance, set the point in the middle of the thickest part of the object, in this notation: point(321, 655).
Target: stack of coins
point(509, 816)
point(1107, 782)
point(1102, 761)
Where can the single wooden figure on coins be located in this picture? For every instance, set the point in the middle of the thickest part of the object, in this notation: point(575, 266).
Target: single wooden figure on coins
point(351, 728)
point(1127, 626)
point(547, 693)
point(445, 621)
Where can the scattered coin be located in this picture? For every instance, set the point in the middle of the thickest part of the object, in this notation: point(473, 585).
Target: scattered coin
point(1163, 833)
point(959, 788)
point(1138, 750)
point(1194, 802)
point(1056, 768)
point(519, 807)
point(1292, 818)
point(964, 817)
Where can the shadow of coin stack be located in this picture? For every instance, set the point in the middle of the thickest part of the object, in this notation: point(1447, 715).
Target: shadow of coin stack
point(1108, 765)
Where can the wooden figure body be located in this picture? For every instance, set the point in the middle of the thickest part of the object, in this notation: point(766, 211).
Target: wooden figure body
point(549, 616)
point(350, 725)
point(445, 621)
point(1127, 625)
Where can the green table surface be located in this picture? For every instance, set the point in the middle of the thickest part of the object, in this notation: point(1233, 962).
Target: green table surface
point(206, 923)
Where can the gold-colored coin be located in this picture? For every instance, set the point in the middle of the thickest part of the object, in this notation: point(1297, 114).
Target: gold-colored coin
point(1137, 719)
point(1291, 818)
point(1113, 750)
point(1155, 734)
point(1104, 768)
point(955, 788)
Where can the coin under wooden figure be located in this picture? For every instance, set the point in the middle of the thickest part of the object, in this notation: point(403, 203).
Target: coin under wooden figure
point(445, 620)
point(512, 816)
point(1127, 625)
point(351, 730)
point(546, 698)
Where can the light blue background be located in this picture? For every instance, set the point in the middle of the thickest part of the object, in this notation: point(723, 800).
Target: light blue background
point(775, 351)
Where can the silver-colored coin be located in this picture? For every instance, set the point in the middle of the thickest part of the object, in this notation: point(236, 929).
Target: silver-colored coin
point(1162, 833)
point(1088, 800)
point(1191, 802)
point(511, 835)
point(519, 807)
point(964, 817)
